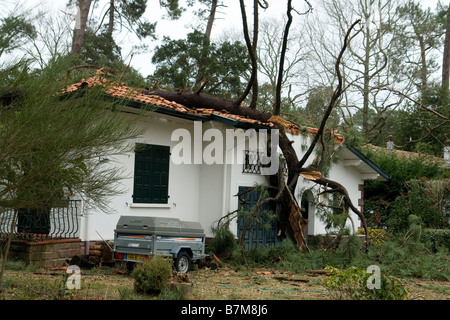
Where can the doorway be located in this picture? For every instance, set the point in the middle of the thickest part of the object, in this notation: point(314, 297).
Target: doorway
point(259, 234)
point(308, 209)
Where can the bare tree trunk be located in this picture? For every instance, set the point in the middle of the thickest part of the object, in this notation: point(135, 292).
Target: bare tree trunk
point(199, 78)
point(446, 58)
point(366, 85)
point(111, 17)
point(255, 86)
point(252, 53)
point(212, 15)
point(80, 25)
point(201, 100)
point(424, 69)
point(277, 108)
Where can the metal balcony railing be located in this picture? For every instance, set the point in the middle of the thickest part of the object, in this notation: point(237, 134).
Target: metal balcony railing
point(252, 162)
point(61, 222)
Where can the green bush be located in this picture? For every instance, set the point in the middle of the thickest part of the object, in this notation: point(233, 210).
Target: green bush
point(405, 254)
point(351, 283)
point(408, 254)
point(417, 186)
point(223, 240)
point(436, 238)
point(153, 275)
point(175, 293)
point(287, 256)
point(376, 236)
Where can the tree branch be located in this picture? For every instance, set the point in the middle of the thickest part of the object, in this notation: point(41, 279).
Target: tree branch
point(446, 118)
point(277, 107)
point(334, 98)
point(338, 188)
point(251, 53)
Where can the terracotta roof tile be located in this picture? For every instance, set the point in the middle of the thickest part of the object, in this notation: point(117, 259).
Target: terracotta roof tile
point(411, 155)
point(121, 91)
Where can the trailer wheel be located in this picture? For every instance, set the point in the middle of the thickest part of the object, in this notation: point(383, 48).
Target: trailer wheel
point(183, 262)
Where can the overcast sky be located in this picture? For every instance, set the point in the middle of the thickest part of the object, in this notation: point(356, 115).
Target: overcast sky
point(227, 20)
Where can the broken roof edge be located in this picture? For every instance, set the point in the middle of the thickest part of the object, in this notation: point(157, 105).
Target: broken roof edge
point(134, 98)
point(135, 95)
point(194, 116)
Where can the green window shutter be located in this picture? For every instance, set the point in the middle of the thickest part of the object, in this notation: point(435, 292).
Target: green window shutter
point(151, 174)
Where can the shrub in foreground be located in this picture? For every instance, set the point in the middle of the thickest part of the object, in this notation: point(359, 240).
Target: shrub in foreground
point(352, 283)
point(153, 275)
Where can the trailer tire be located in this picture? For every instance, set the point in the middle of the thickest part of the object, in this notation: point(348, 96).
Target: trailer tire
point(183, 262)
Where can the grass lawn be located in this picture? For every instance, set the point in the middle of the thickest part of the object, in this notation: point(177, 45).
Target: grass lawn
point(224, 283)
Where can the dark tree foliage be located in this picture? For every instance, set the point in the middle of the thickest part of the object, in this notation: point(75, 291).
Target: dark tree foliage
point(131, 12)
point(14, 30)
point(416, 129)
point(178, 62)
point(388, 204)
point(100, 49)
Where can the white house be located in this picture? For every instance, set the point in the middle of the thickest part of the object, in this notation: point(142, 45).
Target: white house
point(190, 164)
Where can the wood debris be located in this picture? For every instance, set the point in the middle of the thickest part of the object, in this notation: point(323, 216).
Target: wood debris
point(292, 279)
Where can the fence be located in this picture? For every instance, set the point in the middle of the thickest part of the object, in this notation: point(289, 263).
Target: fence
point(31, 225)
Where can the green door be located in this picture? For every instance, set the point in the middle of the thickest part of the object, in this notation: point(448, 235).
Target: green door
point(257, 235)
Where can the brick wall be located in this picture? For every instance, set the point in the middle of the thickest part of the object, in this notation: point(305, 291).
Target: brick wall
point(49, 253)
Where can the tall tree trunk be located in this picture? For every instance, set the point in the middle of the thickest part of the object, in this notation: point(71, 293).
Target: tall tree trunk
point(277, 108)
point(424, 69)
point(254, 101)
point(111, 17)
point(446, 57)
point(251, 52)
point(199, 78)
point(80, 25)
point(212, 16)
point(366, 85)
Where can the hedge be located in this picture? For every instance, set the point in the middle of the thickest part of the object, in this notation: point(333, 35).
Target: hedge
point(437, 238)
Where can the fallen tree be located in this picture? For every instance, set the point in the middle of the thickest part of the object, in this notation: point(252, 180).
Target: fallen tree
point(296, 167)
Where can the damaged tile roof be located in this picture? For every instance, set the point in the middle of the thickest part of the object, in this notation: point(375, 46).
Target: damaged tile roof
point(119, 90)
point(122, 91)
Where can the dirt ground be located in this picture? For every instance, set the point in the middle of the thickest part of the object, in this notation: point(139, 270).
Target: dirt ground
point(275, 285)
point(207, 284)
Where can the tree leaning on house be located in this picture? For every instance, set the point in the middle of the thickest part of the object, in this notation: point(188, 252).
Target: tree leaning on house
point(284, 189)
point(51, 146)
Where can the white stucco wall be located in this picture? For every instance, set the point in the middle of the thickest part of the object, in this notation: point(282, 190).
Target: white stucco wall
point(197, 192)
point(201, 192)
point(349, 177)
point(184, 184)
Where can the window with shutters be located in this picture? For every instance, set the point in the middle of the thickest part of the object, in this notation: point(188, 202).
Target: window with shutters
point(151, 174)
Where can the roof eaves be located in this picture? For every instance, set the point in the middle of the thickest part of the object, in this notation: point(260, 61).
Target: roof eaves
point(238, 123)
point(369, 162)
